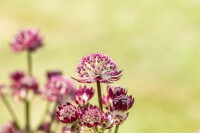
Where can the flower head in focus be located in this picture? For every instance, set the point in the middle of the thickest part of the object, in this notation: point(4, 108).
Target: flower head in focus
point(27, 39)
point(67, 113)
point(58, 88)
point(22, 84)
point(97, 67)
point(83, 95)
point(92, 116)
point(114, 91)
point(123, 103)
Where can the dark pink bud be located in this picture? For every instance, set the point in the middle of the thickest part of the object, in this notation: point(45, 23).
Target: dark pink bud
point(114, 91)
point(123, 102)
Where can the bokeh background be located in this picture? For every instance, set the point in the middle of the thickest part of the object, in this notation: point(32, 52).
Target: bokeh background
point(155, 42)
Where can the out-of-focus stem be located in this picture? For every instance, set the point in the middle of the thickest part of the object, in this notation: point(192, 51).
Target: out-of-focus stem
point(99, 95)
point(52, 118)
point(10, 110)
point(116, 128)
point(27, 115)
point(110, 130)
point(27, 103)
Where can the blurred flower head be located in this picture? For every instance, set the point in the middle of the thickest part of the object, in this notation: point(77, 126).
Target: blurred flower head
point(92, 116)
point(44, 127)
point(67, 113)
point(51, 74)
point(97, 67)
point(83, 95)
point(27, 39)
point(10, 127)
point(22, 84)
point(123, 103)
point(58, 88)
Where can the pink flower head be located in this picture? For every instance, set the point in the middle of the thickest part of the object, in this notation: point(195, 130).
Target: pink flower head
point(8, 128)
point(51, 74)
point(44, 127)
point(97, 67)
point(22, 83)
point(108, 120)
point(114, 91)
point(83, 95)
point(123, 103)
point(67, 113)
point(58, 88)
point(119, 117)
point(107, 102)
point(91, 116)
point(27, 39)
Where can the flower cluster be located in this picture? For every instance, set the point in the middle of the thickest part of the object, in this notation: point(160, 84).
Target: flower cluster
point(86, 117)
point(59, 91)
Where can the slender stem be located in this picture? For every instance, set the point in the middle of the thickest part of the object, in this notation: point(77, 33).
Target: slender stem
point(27, 103)
point(110, 130)
point(116, 128)
point(27, 114)
point(99, 95)
point(29, 63)
point(52, 118)
point(45, 113)
point(11, 111)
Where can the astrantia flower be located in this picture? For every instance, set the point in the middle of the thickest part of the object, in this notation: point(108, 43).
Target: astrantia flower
point(97, 67)
point(58, 88)
point(83, 95)
point(10, 128)
point(108, 120)
point(22, 84)
point(92, 116)
point(123, 102)
point(51, 74)
point(67, 113)
point(114, 91)
point(119, 117)
point(27, 39)
point(107, 102)
point(44, 127)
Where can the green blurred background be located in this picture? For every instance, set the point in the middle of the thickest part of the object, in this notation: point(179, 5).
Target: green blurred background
point(155, 42)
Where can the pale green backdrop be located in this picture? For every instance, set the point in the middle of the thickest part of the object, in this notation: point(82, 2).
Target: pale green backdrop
point(155, 42)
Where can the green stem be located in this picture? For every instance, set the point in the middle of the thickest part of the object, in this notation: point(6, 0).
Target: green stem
point(99, 95)
point(11, 111)
point(116, 128)
point(110, 130)
point(27, 114)
point(52, 118)
point(27, 104)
